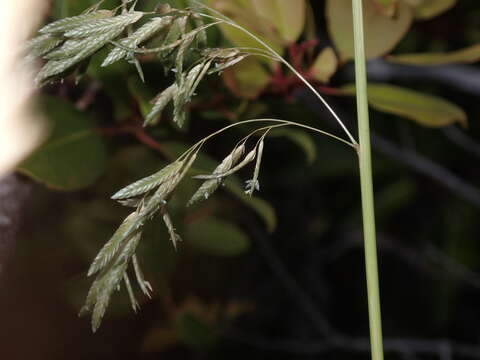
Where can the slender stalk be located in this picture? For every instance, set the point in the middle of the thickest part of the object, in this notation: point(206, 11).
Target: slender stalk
point(231, 23)
point(366, 182)
point(200, 143)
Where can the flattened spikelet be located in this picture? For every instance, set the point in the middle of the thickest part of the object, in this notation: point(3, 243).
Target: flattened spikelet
point(142, 34)
point(248, 159)
point(144, 185)
point(108, 283)
point(209, 186)
point(68, 49)
point(225, 65)
point(110, 249)
point(41, 45)
point(174, 237)
point(176, 30)
point(253, 184)
point(131, 295)
point(100, 26)
point(72, 22)
point(142, 283)
point(167, 187)
point(179, 104)
point(56, 67)
point(160, 102)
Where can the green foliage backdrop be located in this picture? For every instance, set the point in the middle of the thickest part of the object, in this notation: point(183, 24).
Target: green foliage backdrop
point(279, 274)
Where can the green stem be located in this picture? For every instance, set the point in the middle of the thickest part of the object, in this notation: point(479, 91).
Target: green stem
point(365, 163)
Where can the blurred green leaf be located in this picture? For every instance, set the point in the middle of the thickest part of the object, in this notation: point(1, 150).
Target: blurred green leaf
point(467, 55)
point(386, 2)
point(158, 339)
point(382, 33)
point(142, 94)
point(217, 237)
point(287, 16)
point(427, 9)
point(325, 65)
point(387, 7)
point(425, 109)
point(243, 13)
point(247, 78)
point(392, 198)
point(263, 209)
point(74, 155)
point(195, 333)
point(300, 138)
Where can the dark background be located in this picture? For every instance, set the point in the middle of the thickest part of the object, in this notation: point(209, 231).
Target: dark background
point(298, 292)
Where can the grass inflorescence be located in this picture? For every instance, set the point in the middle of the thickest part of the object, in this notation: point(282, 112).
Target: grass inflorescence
point(65, 44)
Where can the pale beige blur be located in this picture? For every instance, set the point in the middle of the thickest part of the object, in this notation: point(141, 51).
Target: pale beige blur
point(20, 129)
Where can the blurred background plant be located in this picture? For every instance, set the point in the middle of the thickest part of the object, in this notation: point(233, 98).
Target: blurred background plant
point(280, 274)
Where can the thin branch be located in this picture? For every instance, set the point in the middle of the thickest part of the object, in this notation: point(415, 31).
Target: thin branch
point(427, 167)
point(298, 294)
point(429, 260)
point(462, 140)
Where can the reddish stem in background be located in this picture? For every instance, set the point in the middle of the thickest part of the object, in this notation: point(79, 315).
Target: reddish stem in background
point(137, 130)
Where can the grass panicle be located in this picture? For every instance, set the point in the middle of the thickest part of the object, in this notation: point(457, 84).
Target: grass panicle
point(183, 50)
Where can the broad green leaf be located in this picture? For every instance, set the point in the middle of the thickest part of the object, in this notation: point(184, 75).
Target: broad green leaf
point(247, 78)
point(217, 237)
point(386, 2)
point(427, 9)
point(467, 55)
point(325, 65)
point(286, 15)
point(300, 138)
point(74, 155)
point(425, 109)
point(387, 7)
point(310, 28)
point(382, 33)
point(245, 15)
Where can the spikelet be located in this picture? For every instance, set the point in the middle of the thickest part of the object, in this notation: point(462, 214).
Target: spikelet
point(174, 237)
point(248, 159)
point(142, 283)
point(131, 295)
point(253, 184)
point(41, 45)
point(68, 49)
point(110, 249)
point(95, 43)
point(70, 23)
point(108, 283)
point(219, 67)
point(144, 185)
point(209, 186)
point(97, 27)
point(159, 104)
point(142, 34)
